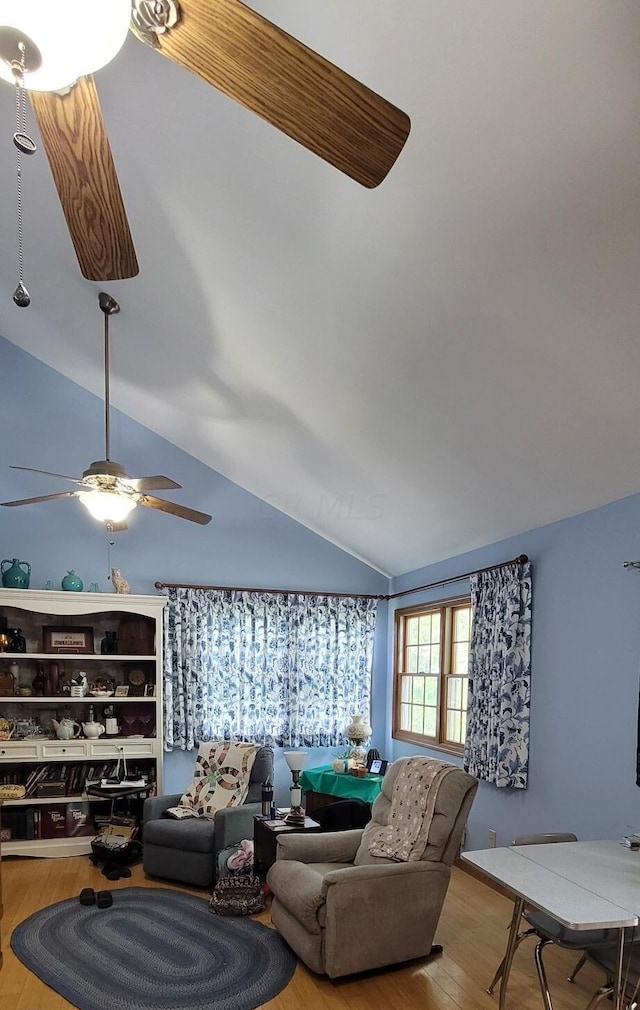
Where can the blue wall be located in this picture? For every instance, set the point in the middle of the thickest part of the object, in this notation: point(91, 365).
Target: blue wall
point(584, 683)
point(52, 424)
point(586, 613)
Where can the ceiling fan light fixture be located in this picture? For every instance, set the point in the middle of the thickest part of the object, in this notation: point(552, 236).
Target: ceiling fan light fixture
point(72, 38)
point(108, 506)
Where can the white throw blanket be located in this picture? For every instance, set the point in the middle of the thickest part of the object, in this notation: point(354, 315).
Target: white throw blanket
point(413, 802)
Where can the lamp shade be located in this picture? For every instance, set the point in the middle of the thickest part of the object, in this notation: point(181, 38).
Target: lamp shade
point(296, 759)
point(107, 505)
point(74, 37)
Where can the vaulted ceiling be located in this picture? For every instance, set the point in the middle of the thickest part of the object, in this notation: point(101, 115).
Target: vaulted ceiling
point(414, 370)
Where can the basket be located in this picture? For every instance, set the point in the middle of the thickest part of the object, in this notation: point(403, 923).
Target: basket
point(114, 850)
point(237, 895)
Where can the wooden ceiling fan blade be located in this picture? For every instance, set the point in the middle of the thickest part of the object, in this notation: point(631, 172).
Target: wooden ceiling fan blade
point(75, 139)
point(152, 483)
point(175, 510)
point(60, 476)
point(294, 88)
point(42, 497)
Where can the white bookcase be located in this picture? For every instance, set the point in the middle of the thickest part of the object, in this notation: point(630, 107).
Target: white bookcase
point(33, 748)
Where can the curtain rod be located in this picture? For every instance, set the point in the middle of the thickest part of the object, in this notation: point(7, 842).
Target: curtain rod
point(284, 592)
point(520, 560)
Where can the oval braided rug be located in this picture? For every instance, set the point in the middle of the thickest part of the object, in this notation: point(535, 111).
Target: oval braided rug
point(153, 949)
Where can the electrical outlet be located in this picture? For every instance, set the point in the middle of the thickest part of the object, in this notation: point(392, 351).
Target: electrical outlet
point(492, 838)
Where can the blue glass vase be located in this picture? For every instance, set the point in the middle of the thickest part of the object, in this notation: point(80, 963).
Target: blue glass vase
point(17, 575)
point(72, 583)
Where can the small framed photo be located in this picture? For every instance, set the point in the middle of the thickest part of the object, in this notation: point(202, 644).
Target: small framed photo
point(378, 766)
point(122, 690)
point(149, 690)
point(72, 641)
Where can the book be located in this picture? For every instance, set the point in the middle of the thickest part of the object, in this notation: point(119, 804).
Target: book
point(78, 821)
point(53, 823)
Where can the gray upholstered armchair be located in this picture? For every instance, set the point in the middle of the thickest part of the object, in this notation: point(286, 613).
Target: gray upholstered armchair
point(187, 850)
point(343, 910)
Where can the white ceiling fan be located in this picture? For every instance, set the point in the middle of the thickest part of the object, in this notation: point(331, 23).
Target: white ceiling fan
point(108, 492)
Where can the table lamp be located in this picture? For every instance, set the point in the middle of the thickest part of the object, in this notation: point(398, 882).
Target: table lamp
point(296, 761)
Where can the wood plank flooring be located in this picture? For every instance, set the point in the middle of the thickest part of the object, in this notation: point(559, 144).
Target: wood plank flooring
point(473, 931)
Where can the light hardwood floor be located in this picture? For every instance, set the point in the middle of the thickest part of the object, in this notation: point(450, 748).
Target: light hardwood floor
point(473, 931)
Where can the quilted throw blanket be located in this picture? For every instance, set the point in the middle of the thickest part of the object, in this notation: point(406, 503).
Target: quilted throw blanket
point(413, 802)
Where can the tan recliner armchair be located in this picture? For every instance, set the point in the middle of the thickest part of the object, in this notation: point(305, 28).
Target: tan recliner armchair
point(343, 910)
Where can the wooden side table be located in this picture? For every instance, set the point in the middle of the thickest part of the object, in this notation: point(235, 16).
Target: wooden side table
point(265, 839)
point(323, 785)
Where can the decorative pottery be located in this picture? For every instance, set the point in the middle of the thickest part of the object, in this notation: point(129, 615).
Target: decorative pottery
point(109, 644)
point(92, 730)
point(78, 686)
point(52, 681)
point(120, 584)
point(373, 754)
point(38, 681)
point(17, 575)
point(66, 729)
point(72, 583)
point(17, 641)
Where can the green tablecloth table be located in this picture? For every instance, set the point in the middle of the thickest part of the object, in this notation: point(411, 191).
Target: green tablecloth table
point(323, 785)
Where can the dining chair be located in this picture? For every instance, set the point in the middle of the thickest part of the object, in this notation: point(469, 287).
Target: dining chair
point(549, 930)
point(605, 958)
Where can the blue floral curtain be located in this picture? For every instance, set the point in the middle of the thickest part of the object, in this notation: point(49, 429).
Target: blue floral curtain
point(497, 744)
point(283, 668)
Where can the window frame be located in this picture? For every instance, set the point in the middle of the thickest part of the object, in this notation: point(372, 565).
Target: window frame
point(446, 610)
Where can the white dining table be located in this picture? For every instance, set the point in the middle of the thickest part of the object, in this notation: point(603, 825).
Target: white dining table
point(583, 885)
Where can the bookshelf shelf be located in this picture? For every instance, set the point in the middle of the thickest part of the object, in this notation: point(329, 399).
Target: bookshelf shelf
point(64, 825)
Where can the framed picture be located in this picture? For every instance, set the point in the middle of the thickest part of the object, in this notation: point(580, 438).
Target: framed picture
point(67, 640)
point(150, 690)
point(122, 690)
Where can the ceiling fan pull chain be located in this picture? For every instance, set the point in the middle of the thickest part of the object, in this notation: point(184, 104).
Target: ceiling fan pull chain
point(24, 145)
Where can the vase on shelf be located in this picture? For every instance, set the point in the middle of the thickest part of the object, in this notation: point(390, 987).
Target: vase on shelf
point(38, 681)
point(72, 583)
point(17, 641)
point(109, 644)
point(16, 575)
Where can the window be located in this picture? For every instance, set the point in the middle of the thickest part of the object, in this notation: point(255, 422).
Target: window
point(431, 677)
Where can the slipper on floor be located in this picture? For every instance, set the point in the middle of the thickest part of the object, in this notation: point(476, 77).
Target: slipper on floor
point(104, 899)
point(87, 896)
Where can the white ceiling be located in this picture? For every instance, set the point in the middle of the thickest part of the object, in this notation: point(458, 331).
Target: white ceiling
point(412, 371)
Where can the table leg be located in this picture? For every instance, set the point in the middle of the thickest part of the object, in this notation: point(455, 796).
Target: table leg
point(512, 943)
point(618, 991)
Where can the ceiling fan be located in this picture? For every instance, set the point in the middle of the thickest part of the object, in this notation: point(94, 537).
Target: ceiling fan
point(108, 492)
point(226, 43)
